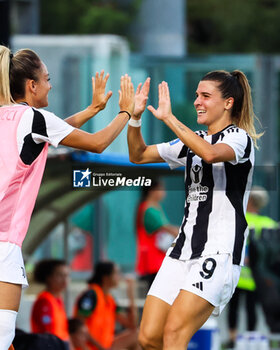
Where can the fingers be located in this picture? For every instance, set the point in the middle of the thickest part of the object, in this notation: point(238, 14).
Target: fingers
point(99, 79)
point(138, 88)
point(152, 109)
point(106, 78)
point(109, 94)
point(122, 83)
point(126, 93)
point(146, 87)
point(120, 96)
point(126, 82)
point(165, 90)
point(131, 87)
point(160, 92)
point(126, 85)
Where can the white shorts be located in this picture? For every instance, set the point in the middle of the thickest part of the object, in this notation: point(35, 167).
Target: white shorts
point(11, 264)
point(212, 277)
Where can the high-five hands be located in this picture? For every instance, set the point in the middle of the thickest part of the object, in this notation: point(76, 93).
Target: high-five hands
point(164, 104)
point(135, 105)
point(126, 95)
point(141, 98)
point(99, 99)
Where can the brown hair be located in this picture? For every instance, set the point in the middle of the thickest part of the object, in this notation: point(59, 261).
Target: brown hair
point(45, 268)
point(236, 85)
point(15, 70)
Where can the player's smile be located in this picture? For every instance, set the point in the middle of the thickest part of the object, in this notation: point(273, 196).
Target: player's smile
point(209, 103)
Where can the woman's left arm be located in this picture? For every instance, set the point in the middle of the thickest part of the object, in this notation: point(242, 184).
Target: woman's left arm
point(99, 101)
point(209, 153)
point(130, 318)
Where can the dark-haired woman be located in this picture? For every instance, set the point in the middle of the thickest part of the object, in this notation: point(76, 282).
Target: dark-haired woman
point(78, 334)
point(26, 130)
point(97, 308)
point(48, 313)
point(202, 267)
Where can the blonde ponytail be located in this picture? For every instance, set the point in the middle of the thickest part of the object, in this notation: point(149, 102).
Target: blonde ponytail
point(5, 93)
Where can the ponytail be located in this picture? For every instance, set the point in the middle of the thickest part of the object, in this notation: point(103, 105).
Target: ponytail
point(5, 62)
point(247, 116)
point(236, 85)
point(14, 71)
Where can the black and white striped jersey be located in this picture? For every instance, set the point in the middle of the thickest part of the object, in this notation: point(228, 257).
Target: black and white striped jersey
point(216, 197)
point(36, 127)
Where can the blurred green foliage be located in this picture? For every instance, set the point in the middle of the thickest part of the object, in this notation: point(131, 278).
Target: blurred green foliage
point(87, 16)
point(216, 26)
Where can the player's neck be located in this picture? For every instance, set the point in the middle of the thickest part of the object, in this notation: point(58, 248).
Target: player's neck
point(219, 124)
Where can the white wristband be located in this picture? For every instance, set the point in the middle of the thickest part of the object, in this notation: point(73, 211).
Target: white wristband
point(135, 123)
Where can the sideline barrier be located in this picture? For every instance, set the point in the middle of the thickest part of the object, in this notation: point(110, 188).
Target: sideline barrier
point(252, 340)
point(207, 337)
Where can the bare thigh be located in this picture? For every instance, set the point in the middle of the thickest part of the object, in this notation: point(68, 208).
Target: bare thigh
point(10, 296)
point(154, 317)
point(187, 314)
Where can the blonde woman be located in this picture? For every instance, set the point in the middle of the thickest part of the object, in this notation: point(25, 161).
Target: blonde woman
point(25, 133)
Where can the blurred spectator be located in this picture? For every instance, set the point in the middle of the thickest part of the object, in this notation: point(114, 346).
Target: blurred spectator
point(48, 312)
point(78, 333)
point(265, 264)
point(97, 308)
point(246, 286)
point(154, 232)
point(27, 341)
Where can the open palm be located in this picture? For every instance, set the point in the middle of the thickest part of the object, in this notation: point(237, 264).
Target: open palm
point(164, 104)
point(99, 99)
point(141, 97)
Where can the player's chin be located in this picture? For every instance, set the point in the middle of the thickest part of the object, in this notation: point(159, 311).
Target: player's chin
point(45, 103)
point(201, 120)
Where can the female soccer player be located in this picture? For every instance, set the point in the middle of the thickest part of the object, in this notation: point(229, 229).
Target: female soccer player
point(202, 266)
point(25, 133)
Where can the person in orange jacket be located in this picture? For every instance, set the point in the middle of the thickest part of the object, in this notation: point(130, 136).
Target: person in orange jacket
point(78, 333)
point(48, 312)
point(154, 232)
point(97, 308)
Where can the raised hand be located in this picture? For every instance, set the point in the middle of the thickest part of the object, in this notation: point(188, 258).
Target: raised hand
point(99, 99)
point(164, 104)
point(141, 98)
point(126, 95)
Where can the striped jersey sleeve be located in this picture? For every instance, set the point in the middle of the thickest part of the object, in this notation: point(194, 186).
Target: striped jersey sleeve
point(239, 141)
point(174, 153)
point(36, 127)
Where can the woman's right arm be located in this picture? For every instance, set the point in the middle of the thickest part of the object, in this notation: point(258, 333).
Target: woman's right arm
point(100, 140)
point(139, 152)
